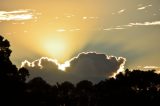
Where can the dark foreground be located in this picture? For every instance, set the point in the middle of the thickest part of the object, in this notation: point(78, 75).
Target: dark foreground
point(136, 88)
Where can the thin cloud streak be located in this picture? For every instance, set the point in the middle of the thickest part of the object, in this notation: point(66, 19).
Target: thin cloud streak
point(65, 30)
point(154, 23)
point(121, 11)
point(116, 28)
point(144, 24)
point(16, 15)
point(151, 67)
point(144, 7)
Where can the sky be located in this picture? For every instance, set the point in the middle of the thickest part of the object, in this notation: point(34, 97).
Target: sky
point(61, 30)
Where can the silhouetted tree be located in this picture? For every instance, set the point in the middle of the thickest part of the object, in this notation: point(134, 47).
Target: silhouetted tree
point(23, 74)
point(12, 87)
point(84, 91)
point(38, 91)
point(143, 83)
point(65, 93)
point(8, 71)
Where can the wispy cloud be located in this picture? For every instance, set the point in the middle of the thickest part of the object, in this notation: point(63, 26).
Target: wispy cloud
point(115, 28)
point(143, 7)
point(16, 15)
point(92, 17)
point(151, 67)
point(132, 25)
point(64, 30)
point(121, 11)
point(76, 29)
point(61, 30)
point(144, 23)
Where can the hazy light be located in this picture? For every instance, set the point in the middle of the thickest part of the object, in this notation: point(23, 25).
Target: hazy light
point(55, 47)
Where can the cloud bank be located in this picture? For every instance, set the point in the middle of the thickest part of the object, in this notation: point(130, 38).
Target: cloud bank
point(86, 66)
point(16, 15)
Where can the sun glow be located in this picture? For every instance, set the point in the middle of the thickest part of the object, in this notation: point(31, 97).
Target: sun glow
point(55, 47)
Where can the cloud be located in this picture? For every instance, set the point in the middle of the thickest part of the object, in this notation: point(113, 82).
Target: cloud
point(93, 66)
point(71, 30)
point(61, 30)
point(151, 67)
point(108, 29)
point(85, 17)
point(154, 23)
point(46, 68)
point(76, 29)
point(86, 66)
point(16, 15)
point(121, 11)
point(143, 7)
point(143, 24)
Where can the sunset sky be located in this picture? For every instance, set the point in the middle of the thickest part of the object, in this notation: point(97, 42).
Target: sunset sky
point(61, 29)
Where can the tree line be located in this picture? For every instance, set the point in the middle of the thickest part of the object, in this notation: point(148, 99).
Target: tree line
point(130, 88)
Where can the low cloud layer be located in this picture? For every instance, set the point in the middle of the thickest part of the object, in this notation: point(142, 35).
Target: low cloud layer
point(16, 15)
point(86, 66)
point(146, 68)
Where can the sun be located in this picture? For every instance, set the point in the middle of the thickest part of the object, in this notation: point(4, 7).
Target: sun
point(55, 47)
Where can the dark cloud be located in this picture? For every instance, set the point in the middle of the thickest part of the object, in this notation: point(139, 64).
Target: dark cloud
point(45, 68)
point(86, 66)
